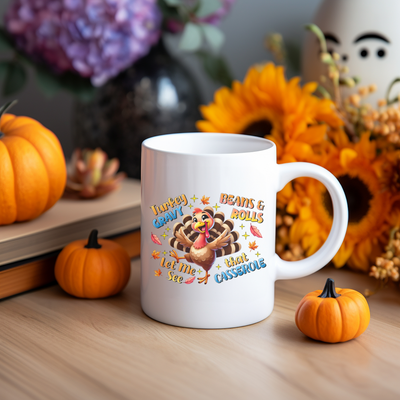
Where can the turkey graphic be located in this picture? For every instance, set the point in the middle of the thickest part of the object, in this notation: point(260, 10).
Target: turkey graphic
point(204, 237)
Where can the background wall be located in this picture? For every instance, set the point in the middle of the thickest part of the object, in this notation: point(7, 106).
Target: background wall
point(245, 29)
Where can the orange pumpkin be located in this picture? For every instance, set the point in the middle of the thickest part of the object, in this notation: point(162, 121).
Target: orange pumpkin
point(93, 269)
point(331, 316)
point(32, 168)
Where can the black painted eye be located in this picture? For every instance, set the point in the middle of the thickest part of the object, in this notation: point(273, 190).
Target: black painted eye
point(364, 53)
point(204, 217)
point(194, 219)
point(345, 57)
point(381, 53)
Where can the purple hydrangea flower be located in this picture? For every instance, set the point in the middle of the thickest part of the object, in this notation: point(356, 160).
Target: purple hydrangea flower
point(95, 38)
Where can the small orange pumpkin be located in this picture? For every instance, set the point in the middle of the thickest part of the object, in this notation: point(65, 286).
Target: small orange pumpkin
point(93, 269)
point(331, 316)
point(32, 168)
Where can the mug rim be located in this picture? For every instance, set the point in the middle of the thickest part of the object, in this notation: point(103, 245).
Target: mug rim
point(266, 144)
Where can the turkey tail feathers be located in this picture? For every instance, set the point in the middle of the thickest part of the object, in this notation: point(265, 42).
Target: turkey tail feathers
point(187, 220)
point(230, 249)
point(219, 218)
point(209, 210)
point(187, 229)
point(229, 224)
point(173, 242)
point(235, 236)
point(220, 225)
point(176, 228)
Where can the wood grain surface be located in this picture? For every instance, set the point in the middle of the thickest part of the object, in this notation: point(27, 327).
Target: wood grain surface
point(53, 346)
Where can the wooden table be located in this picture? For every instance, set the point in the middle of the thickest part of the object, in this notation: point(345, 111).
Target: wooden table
point(53, 346)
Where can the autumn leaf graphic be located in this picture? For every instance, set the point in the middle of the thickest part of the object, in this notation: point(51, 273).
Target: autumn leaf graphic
point(204, 200)
point(252, 245)
point(190, 280)
point(157, 273)
point(155, 239)
point(155, 254)
point(254, 230)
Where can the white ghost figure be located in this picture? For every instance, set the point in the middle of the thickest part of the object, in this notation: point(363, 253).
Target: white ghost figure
point(366, 35)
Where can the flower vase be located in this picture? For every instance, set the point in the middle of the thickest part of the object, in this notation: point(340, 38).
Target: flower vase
point(157, 95)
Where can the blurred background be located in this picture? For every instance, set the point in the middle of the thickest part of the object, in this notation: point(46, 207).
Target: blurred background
point(245, 29)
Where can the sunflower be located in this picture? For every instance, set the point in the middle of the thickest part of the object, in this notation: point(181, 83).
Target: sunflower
point(360, 172)
point(267, 105)
point(391, 178)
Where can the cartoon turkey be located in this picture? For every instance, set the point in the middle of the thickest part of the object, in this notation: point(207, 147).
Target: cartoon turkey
point(193, 235)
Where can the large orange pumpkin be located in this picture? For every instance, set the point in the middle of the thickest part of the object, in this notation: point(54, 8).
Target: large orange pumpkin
point(32, 168)
point(333, 315)
point(93, 268)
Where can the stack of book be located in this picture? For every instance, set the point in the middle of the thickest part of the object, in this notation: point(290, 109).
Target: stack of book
point(28, 250)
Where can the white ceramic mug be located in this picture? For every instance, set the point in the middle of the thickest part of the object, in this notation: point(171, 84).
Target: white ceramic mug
point(207, 200)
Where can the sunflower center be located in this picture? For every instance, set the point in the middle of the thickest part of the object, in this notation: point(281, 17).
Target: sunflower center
point(358, 198)
point(259, 128)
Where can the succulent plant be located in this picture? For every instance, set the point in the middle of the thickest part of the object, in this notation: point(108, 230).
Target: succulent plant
point(91, 174)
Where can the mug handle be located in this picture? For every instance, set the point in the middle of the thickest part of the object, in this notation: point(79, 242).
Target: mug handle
point(298, 269)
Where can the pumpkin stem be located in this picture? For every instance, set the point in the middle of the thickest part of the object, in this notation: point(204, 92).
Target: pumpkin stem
point(329, 290)
point(92, 242)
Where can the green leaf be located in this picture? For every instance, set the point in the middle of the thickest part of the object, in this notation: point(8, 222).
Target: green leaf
point(293, 56)
point(3, 69)
point(167, 11)
point(191, 37)
point(325, 94)
point(173, 3)
point(78, 86)
point(395, 99)
point(4, 108)
point(216, 68)
point(25, 60)
point(208, 7)
point(15, 78)
point(48, 82)
point(5, 41)
point(213, 35)
point(319, 34)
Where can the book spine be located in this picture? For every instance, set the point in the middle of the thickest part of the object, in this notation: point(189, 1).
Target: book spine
point(38, 273)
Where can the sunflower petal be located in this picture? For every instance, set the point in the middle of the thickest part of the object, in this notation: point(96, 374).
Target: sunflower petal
point(311, 243)
point(313, 135)
point(205, 126)
point(346, 157)
point(359, 259)
point(366, 146)
point(344, 253)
